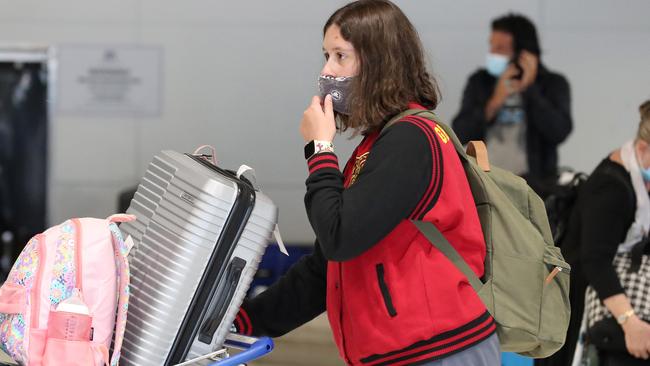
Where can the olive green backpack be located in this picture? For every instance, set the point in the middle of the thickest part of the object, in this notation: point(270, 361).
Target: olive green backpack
point(526, 281)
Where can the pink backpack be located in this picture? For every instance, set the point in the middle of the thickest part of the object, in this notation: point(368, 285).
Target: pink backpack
point(72, 278)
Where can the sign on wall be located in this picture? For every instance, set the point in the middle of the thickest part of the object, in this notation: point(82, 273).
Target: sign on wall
point(109, 81)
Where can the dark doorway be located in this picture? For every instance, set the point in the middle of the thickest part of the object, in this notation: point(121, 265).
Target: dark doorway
point(23, 155)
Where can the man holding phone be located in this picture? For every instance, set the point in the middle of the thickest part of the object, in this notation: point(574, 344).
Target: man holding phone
point(519, 107)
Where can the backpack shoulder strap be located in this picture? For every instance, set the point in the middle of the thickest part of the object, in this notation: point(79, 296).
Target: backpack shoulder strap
point(431, 116)
point(476, 149)
point(398, 117)
point(121, 248)
point(429, 230)
point(435, 237)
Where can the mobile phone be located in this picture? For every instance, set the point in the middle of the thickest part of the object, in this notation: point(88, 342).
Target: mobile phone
point(520, 70)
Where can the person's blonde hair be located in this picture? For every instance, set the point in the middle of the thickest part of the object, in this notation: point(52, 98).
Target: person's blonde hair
point(644, 126)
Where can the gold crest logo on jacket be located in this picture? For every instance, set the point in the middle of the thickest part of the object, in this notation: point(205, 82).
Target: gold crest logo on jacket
point(358, 165)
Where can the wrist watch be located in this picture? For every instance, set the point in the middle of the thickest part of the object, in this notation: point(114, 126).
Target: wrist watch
point(314, 147)
point(621, 319)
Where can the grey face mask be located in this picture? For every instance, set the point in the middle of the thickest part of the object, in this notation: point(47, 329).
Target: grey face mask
point(339, 89)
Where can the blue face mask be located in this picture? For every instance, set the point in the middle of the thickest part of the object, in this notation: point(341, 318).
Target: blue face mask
point(496, 64)
point(645, 173)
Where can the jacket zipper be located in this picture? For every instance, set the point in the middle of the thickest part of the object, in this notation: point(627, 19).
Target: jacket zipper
point(345, 352)
point(36, 299)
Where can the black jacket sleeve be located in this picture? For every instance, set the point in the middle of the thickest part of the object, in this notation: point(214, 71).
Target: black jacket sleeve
point(296, 298)
point(394, 178)
point(470, 123)
point(549, 108)
point(606, 213)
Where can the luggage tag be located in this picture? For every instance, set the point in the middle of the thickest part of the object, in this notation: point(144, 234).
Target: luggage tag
point(276, 231)
point(278, 239)
point(251, 176)
point(119, 218)
point(129, 245)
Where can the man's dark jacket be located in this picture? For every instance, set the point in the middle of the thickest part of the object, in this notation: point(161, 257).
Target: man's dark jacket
point(548, 114)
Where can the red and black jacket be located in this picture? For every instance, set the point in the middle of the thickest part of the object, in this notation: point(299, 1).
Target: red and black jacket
point(391, 297)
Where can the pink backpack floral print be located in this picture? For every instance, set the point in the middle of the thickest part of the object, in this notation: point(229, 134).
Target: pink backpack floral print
point(66, 294)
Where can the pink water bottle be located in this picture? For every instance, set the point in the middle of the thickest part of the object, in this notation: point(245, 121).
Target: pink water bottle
point(71, 320)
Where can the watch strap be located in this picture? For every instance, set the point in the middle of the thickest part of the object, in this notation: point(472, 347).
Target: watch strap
point(621, 319)
point(318, 146)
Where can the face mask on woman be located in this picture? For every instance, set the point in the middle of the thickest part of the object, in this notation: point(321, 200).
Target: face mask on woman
point(338, 88)
point(645, 172)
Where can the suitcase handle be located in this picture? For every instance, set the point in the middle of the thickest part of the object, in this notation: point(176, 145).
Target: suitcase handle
point(254, 349)
point(213, 153)
point(235, 270)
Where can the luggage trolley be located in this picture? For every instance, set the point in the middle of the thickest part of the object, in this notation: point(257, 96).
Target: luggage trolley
point(252, 349)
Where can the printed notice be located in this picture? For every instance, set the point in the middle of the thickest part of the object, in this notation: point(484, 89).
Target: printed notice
point(109, 81)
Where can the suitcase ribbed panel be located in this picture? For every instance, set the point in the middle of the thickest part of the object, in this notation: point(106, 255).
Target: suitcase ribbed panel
point(181, 210)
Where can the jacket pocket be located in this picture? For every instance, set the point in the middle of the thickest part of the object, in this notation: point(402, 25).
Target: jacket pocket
point(385, 293)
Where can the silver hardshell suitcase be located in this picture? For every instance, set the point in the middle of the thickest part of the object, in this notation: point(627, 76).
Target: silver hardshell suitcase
point(199, 236)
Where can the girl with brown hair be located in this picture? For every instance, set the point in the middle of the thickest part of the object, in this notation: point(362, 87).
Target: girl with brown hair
point(391, 297)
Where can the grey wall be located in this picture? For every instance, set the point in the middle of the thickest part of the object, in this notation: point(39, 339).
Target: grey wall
point(239, 74)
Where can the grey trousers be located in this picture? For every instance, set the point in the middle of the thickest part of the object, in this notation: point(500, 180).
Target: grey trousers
point(486, 353)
